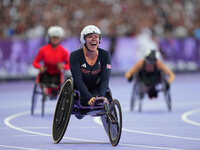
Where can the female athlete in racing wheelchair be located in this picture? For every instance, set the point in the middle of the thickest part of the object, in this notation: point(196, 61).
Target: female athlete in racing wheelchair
point(88, 93)
point(53, 62)
point(150, 78)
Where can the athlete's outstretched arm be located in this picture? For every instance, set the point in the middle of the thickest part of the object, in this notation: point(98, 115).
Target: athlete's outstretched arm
point(134, 69)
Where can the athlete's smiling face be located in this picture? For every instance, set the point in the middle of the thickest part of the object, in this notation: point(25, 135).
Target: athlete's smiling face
point(92, 41)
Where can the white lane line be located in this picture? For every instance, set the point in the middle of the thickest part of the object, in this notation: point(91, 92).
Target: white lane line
point(185, 118)
point(24, 135)
point(160, 134)
point(8, 119)
point(151, 147)
point(16, 147)
point(29, 127)
point(35, 127)
point(98, 121)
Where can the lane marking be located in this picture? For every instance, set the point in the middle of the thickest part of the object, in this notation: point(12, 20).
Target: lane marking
point(98, 121)
point(151, 147)
point(185, 117)
point(16, 147)
point(160, 134)
point(29, 127)
point(9, 118)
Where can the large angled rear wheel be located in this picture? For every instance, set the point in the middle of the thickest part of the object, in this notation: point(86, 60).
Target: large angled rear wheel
point(63, 111)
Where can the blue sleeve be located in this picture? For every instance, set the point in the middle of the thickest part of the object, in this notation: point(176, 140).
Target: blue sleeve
point(77, 77)
point(105, 75)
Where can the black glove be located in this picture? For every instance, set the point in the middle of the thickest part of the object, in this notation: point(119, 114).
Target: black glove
point(130, 79)
point(167, 85)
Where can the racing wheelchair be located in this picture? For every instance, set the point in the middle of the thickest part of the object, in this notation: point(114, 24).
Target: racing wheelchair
point(44, 92)
point(68, 104)
point(139, 92)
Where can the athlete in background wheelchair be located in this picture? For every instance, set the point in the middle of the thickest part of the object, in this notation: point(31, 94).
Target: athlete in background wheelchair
point(151, 77)
point(88, 92)
point(52, 61)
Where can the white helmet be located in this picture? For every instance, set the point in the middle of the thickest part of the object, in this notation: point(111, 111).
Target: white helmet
point(151, 56)
point(152, 52)
point(88, 30)
point(56, 31)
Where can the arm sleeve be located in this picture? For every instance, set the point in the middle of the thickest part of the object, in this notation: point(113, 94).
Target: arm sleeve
point(105, 75)
point(66, 60)
point(77, 77)
point(38, 58)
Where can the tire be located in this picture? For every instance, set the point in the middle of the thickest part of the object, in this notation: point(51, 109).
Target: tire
point(114, 122)
point(35, 95)
point(63, 111)
point(168, 100)
point(133, 97)
point(140, 105)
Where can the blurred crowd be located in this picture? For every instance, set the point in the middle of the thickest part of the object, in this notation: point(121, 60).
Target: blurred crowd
point(31, 18)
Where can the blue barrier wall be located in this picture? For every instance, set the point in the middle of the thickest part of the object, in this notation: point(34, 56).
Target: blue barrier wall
point(16, 56)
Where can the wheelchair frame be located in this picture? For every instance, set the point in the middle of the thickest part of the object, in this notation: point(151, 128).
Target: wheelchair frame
point(38, 91)
point(137, 96)
point(110, 114)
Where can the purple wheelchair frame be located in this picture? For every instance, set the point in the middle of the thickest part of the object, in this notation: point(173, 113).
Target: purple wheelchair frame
point(98, 109)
